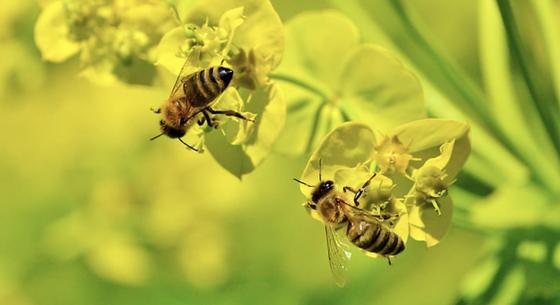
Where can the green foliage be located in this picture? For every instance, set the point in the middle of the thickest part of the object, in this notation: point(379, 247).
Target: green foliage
point(344, 78)
point(329, 77)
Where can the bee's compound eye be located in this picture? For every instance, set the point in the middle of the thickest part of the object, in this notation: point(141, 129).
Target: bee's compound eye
point(225, 74)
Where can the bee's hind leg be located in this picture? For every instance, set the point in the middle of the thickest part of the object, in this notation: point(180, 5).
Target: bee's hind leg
point(229, 113)
point(388, 260)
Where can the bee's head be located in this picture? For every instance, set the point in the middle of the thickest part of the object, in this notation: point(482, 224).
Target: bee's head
point(321, 190)
point(225, 74)
point(170, 131)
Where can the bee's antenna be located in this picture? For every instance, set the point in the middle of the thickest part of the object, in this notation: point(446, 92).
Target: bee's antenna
point(159, 135)
point(222, 62)
point(304, 183)
point(187, 145)
point(320, 165)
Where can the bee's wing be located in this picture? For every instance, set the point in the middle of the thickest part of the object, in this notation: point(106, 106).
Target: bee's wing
point(358, 213)
point(338, 256)
point(182, 74)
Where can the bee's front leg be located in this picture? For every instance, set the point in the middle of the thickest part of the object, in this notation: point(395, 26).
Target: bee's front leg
point(229, 113)
point(209, 120)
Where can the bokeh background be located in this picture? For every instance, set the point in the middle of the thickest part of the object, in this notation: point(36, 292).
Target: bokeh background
point(93, 213)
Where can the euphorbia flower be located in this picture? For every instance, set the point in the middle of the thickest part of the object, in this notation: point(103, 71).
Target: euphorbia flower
point(246, 35)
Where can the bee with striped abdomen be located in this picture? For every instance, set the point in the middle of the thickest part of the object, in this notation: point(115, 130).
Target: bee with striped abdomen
point(363, 228)
point(191, 95)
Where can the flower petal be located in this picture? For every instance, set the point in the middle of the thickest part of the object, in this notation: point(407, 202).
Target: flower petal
point(426, 225)
point(347, 145)
point(376, 88)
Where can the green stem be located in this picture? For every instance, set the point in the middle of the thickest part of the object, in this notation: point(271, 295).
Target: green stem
point(315, 125)
point(302, 84)
point(545, 108)
point(459, 82)
point(477, 108)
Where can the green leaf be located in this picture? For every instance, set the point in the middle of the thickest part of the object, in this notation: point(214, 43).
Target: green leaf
point(346, 81)
point(556, 256)
point(511, 288)
point(268, 106)
point(550, 27)
point(52, 34)
point(479, 280)
point(513, 115)
point(347, 145)
point(516, 206)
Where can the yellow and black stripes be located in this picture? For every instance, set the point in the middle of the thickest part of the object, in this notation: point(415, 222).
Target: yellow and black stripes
point(375, 238)
point(206, 85)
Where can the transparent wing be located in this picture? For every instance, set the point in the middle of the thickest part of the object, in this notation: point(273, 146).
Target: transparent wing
point(181, 76)
point(338, 257)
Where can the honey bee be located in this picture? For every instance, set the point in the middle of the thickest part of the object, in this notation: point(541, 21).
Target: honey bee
point(191, 95)
point(363, 228)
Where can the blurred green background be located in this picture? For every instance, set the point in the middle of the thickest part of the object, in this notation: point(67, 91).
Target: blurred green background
point(94, 213)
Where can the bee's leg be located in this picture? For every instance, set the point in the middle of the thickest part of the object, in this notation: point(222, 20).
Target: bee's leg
point(389, 260)
point(360, 191)
point(201, 121)
point(187, 145)
point(156, 110)
point(209, 119)
point(350, 189)
point(229, 113)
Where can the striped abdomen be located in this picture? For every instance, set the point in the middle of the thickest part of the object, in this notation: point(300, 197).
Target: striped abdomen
point(204, 86)
point(374, 237)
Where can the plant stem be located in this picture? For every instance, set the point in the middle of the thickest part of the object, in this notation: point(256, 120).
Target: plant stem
point(547, 113)
point(302, 84)
point(315, 125)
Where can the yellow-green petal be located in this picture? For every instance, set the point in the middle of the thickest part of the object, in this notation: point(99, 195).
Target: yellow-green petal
point(426, 225)
point(268, 106)
point(262, 30)
point(316, 44)
point(425, 138)
point(235, 130)
point(347, 145)
point(376, 88)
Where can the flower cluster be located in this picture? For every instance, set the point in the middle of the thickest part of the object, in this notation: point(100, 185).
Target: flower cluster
point(417, 203)
point(246, 35)
point(115, 39)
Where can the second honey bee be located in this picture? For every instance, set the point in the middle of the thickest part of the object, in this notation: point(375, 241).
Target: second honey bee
point(192, 95)
point(363, 228)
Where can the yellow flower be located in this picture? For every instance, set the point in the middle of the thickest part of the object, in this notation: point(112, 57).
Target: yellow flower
point(248, 36)
point(392, 156)
point(111, 37)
